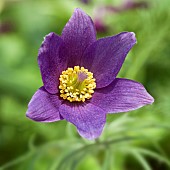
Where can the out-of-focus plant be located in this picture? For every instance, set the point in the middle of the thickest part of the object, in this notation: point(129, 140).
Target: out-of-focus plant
point(104, 10)
point(125, 138)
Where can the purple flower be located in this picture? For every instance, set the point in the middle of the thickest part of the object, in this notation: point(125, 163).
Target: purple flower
point(100, 26)
point(130, 4)
point(79, 77)
point(85, 1)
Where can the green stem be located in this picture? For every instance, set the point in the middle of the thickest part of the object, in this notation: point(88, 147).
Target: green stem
point(17, 161)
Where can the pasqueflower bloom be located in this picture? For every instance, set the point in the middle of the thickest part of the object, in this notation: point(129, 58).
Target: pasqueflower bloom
point(79, 77)
point(85, 1)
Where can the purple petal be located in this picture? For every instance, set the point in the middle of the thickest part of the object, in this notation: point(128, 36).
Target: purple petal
point(105, 57)
point(50, 63)
point(77, 35)
point(122, 95)
point(88, 118)
point(44, 107)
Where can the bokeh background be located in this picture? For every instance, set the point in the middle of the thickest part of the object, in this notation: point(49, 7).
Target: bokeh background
point(138, 140)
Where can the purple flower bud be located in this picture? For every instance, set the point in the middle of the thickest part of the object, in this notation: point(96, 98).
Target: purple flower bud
point(85, 1)
point(100, 26)
point(130, 4)
point(6, 27)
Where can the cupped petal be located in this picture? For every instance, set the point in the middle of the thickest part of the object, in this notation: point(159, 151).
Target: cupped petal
point(122, 95)
point(88, 118)
point(105, 57)
point(44, 107)
point(50, 62)
point(77, 35)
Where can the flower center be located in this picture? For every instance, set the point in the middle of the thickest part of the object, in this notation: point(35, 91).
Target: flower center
point(76, 84)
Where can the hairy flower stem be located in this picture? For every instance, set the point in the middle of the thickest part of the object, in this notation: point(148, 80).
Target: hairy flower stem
point(92, 148)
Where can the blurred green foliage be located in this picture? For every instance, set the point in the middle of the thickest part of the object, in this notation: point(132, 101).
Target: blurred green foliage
point(138, 140)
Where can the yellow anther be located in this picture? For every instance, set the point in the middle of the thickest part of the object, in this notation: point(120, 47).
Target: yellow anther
point(76, 84)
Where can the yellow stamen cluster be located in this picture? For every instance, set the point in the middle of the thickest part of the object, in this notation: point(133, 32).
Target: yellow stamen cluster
point(76, 84)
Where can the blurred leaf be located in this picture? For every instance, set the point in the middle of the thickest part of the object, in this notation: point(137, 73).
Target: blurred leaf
point(141, 160)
